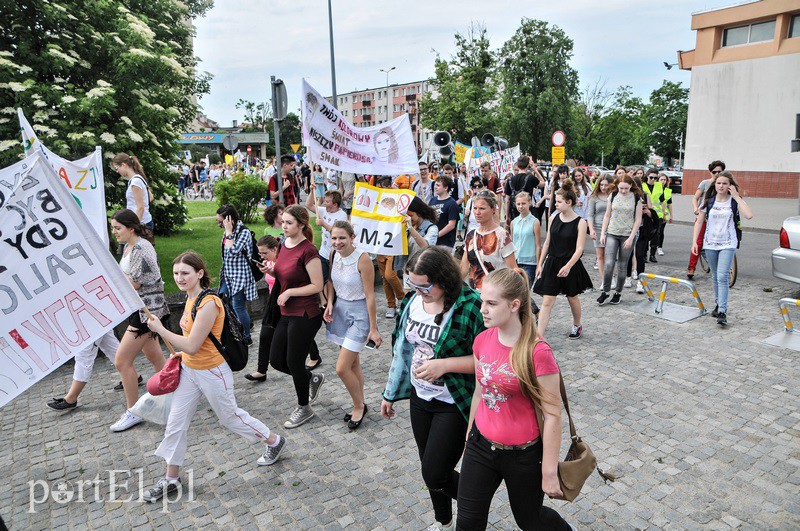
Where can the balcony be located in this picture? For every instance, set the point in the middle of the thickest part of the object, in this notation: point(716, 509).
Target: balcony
point(411, 97)
point(366, 117)
point(366, 103)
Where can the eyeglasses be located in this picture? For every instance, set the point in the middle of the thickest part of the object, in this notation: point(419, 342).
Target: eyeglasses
point(714, 172)
point(422, 290)
point(116, 168)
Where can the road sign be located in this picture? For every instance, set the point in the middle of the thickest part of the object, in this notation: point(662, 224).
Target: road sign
point(249, 149)
point(559, 138)
point(558, 152)
point(295, 147)
point(230, 143)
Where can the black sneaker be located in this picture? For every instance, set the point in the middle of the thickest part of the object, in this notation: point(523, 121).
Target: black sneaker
point(653, 259)
point(59, 404)
point(715, 311)
point(577, 330)
point(119, 387)
point(601, 300)
point(722, 318)
point(615, 298)
point(313, 387)
point(164, 486)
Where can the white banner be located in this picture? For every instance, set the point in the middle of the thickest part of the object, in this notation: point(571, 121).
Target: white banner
point(385, 149)
point(60, 288)
point(83, 177)
point(502, 162)
point(378, 219)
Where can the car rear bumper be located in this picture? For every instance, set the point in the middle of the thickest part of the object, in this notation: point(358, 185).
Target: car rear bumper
point(786, 264)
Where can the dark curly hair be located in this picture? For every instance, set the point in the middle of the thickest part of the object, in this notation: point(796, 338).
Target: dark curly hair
point(438, 264)
point(271, 213)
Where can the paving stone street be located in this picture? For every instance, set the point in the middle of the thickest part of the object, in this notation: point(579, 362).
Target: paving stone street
point(700, 422)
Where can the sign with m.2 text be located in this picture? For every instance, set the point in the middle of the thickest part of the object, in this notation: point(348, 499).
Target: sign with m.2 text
point(378, 219)
point(60, 288)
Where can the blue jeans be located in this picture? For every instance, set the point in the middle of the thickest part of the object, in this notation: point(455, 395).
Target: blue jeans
point(239, 307)
point(720, 264)
point(530, 271)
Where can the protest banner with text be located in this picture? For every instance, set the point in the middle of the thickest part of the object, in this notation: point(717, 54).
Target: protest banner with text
point(83, 177)
point(384, 149)
point(60, 288)
point(378, 219)
point(502, 162)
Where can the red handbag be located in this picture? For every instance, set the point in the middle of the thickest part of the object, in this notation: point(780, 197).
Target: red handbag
point(167, 379)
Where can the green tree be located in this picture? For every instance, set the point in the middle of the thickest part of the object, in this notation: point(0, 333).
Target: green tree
point(107, 72)
point(257, 115)
point(538, 83)
point(667, 115)
point(584, 131)
point(624, 130)
point(464, 89)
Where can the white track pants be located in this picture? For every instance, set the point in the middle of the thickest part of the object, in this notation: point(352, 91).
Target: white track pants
point(217, 386)
point(84, 360)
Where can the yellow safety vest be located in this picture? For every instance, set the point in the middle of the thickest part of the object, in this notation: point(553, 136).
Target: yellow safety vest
point(655, 196)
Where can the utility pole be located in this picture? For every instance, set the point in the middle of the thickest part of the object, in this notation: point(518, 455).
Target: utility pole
point(680, 152)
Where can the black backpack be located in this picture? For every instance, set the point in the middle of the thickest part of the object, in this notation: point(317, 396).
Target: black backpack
point(515, 192)
point(737, 220)
point(231, 344)
point(257, 274)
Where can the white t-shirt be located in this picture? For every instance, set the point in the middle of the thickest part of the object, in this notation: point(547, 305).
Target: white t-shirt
point(130, 202)
point(331, 182)
point(330, 218)
point(423, 333)
point(720, 229)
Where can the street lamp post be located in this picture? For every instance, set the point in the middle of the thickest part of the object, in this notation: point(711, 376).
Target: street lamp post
point(387, 74)
point(333, 61)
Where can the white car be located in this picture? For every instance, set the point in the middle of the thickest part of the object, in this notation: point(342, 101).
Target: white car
point(786, 258)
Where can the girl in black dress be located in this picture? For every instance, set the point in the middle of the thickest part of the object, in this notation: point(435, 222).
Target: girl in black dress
point(562, 271)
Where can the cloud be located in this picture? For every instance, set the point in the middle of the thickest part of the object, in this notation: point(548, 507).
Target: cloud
point(244, 42)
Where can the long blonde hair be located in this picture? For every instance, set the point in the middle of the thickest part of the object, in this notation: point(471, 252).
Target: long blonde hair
point(514, 285)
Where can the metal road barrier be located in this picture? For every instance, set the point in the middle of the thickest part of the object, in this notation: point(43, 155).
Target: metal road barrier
point(665, 310)
point(789, 338)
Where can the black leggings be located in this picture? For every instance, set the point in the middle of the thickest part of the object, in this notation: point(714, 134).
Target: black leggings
point(439, 429)
point(290, 343)
point(265, 345)
point(640, 251)
point(482, 470)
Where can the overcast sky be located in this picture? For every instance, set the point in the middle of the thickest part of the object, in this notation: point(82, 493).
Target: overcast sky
point(243, 42)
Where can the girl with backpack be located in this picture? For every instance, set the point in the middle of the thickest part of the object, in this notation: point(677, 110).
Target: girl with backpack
point(560, 269)
point(620, 226)
point(723, 208)
point(513, 369)
point(138, 194)
point(432, 365)
point(598, 202)
point(203, 373)
point(350, 314)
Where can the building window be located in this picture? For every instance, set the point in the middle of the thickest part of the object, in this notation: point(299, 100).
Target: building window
point(402, 106)
point(794, 26)
point(749, 34)
point(395, 108)
point(395, 92)
point(404, 92)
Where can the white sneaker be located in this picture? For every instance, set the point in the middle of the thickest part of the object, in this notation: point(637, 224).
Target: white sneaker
point(441, 527)
point(126, 421)
point(639, 287)
point(391, 313)
point(660, 251)
point(628, 282)
point(596, 265)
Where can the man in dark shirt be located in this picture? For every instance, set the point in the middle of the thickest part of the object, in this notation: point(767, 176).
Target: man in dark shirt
point(448, 211)
point(522, 181)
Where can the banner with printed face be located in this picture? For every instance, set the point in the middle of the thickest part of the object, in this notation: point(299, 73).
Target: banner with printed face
point(502, 162)
point(60, 288)
point(385, 149)
point(83, 177)
point(378, 219)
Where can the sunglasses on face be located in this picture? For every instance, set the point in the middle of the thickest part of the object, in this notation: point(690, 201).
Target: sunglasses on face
point(422, 290)
point(715, 172)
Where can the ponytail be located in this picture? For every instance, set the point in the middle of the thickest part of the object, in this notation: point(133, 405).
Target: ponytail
point(136, 166)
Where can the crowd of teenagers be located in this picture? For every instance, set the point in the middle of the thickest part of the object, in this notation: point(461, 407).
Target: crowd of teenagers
point(468, 347)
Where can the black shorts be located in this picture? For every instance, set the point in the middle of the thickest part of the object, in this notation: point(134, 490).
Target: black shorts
point(138, 328)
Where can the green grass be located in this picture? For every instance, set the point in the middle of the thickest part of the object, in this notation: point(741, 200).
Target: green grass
point(203, 236)
point(198, 209)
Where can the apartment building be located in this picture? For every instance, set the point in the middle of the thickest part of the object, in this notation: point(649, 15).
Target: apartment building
point(744, 96)
point(369, 107)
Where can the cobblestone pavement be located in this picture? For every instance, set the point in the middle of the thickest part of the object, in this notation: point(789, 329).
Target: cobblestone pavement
point(701, 422)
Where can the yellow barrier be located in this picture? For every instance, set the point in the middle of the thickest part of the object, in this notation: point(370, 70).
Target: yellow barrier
point(666, 281)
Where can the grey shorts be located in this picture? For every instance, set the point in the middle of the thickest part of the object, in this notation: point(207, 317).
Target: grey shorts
point(350, 326)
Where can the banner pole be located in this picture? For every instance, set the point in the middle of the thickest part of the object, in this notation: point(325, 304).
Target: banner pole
point(151, 316)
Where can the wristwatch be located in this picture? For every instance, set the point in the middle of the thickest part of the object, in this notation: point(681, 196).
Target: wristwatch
point(229, 236)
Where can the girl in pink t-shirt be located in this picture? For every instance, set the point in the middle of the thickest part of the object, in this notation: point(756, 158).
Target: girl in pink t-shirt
point(504, 441)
